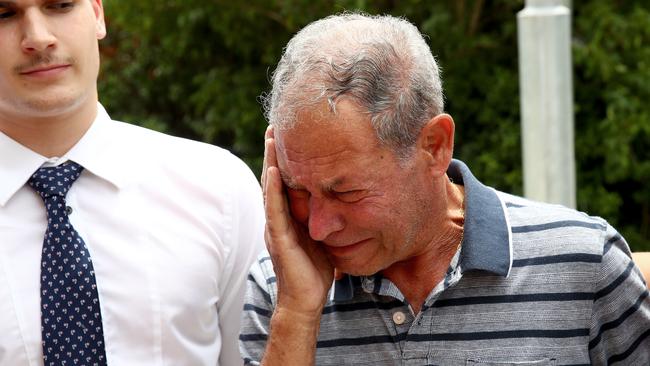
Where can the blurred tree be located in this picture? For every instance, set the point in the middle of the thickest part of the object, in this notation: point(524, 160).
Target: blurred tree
point(196, 68)
point(612, 73)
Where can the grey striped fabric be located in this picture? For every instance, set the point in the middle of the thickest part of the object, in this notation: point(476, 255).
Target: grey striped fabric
point(533, 284)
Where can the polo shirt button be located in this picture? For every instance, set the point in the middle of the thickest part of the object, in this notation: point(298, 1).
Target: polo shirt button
point(68, 210)
point(399, 317)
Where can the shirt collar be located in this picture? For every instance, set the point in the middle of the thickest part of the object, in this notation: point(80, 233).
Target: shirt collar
point(17, 164)
point(94, 152)
point(487, 238)
point(99, 153)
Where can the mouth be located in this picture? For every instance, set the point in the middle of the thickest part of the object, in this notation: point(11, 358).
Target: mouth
point(45, 70)
point(346, 250)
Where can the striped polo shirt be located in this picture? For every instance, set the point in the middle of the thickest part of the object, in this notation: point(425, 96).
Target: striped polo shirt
point(532, 284)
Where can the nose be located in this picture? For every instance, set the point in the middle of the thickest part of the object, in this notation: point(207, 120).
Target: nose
point(323, 218)
point(37, 36)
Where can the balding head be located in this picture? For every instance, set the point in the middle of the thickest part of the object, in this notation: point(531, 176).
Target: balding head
point(381, 63)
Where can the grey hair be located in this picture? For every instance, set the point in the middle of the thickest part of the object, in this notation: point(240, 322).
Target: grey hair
point(381, 62)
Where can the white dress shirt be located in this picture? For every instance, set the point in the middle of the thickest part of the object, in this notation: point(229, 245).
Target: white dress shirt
point(172, 226)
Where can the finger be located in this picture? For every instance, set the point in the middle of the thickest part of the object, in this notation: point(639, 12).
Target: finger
point(268, 149)
point(270, 161)
point(268, 134)
point(265, 166)
point(271, 156)
point(278, 223)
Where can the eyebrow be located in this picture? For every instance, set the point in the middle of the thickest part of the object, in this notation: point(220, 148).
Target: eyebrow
point(328, 186)
point(287, 180)
point(8, 5)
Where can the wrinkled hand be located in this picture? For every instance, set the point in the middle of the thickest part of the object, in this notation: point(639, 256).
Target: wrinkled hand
point(303, 272)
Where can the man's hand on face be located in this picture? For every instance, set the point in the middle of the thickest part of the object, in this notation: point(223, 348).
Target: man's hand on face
point(303, 272)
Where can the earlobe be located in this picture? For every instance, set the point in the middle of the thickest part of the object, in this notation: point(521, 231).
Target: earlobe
point(101, 30)
point(436, 141)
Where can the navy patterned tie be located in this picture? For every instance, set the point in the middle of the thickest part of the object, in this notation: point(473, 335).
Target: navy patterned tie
point(71, 322)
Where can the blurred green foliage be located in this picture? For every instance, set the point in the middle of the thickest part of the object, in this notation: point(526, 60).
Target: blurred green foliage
point(195, 68)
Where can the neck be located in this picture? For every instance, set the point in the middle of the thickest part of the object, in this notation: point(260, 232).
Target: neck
point(417, 276)
point(52, 135)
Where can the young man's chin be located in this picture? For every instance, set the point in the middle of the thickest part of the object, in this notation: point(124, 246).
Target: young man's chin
point(52, 104)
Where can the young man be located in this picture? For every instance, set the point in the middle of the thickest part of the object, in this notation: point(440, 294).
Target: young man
point(434, 267)
point(118, 245)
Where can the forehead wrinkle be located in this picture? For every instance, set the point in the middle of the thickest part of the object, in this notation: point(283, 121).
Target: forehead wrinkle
point(327, 185)
point(291, 159)
point(302, 157)
point(321, 149)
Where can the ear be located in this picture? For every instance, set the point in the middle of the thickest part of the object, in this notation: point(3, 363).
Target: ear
point(100, 24)
point(436, 143)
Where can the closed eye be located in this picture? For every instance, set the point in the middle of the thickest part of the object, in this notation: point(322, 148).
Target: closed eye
point(297, 194)
point(350, 196)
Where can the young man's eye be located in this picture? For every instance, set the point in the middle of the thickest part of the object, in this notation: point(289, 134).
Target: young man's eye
point(6, 13)
point(61, 6)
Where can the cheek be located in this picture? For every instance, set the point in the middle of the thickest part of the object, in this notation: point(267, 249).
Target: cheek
point(388, 215)
point(372, 214)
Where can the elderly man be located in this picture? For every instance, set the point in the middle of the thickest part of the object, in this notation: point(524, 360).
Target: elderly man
point(118, 245)
point(430, 267)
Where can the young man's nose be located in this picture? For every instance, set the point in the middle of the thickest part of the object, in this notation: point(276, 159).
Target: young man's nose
point(36, 34)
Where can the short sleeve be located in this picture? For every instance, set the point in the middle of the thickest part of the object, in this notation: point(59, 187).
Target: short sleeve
point(620, 322)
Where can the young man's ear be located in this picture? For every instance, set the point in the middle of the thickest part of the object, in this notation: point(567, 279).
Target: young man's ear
point(100, 26)
point(436, 141)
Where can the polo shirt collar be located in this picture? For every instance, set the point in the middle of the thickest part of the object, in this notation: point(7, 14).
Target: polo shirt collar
point(95, 152)
point(487, 238)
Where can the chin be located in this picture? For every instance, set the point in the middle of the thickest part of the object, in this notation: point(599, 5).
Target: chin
point(355, 268)
point(45, 107)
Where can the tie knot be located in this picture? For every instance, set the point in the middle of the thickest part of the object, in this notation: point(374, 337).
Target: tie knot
point(55, 181)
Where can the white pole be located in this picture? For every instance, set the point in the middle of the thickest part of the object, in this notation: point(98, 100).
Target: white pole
point(545, 79)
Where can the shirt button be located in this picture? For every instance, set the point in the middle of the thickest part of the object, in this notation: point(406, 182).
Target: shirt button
point(399, 318)
point(68, 210)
